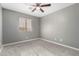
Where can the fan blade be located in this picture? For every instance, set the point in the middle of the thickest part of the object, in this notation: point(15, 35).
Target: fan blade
point(33, 9)
point(41, 10)
point(46, 5)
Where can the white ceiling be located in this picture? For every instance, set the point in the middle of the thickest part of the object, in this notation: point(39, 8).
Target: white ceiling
point(27, 8)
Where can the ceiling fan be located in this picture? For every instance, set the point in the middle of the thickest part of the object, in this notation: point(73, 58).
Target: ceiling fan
point(40, 5)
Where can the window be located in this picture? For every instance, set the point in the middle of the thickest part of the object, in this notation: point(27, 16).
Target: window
point(29, 25)
point(25, 24)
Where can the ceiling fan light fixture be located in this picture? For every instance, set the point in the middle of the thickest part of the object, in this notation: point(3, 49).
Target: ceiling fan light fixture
point(39, 6)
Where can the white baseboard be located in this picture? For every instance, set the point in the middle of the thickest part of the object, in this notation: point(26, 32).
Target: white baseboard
point(43, 40)
point(60, 44)
point(20, 42)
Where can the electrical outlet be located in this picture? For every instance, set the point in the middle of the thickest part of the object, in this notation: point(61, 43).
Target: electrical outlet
point(61, 40)
point(55, 39)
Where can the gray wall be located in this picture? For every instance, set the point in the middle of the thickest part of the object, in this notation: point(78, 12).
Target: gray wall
point(62, 26)
point(10, 27)
point(0, 25)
